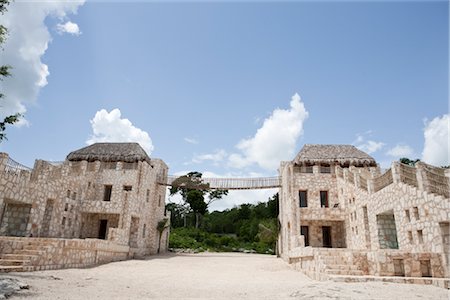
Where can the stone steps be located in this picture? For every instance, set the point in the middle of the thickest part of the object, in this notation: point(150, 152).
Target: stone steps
point(440, 282)
point(337, 263)
point(342, 267)
point(26, 257)
point(6, 269)
point(14, 262)
point(19, 256)
point(29, 252)
point(344, 272)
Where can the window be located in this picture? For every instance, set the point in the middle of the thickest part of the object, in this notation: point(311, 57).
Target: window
point(399, 267)
point(325, 169)
point(127, 188)
point(416, 213)
point(420, 236)
point(408, 217)
point(303, 196)
point(425, 268)
point(63, 221)
point(109, 165)
point(159, 201)
point(410, 237)
point(68, 194)
point(107, 193)
point(147, 196)
point(143, 231)
point(66, 207)
point(74, 196)
point(91, 166)
point(323, 198)
point(129, 165)
point(304, 230)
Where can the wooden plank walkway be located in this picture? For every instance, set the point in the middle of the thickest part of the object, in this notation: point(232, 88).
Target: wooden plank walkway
point(232, 183)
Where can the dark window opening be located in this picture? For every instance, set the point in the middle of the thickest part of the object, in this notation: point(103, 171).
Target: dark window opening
point(303, 195)
point(304, 230)
point(127, 188)
point(102, 229)
point(326, 236)
point(107, 193)
point(425, 268)
point(323, 198)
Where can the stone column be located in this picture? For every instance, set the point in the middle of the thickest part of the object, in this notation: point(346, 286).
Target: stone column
point(395, 168)
point(421, 176)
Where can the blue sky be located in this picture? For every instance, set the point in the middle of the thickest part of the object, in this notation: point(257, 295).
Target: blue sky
point(204, 80)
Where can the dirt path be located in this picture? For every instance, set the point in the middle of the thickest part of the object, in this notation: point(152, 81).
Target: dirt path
point(205, 276)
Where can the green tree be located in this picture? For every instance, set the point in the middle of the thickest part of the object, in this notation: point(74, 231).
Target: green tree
point(4, 72)
point(194, 192)
point(407, 161)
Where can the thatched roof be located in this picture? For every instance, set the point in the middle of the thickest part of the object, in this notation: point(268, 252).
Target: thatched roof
point(110, 152)
point(333, 154)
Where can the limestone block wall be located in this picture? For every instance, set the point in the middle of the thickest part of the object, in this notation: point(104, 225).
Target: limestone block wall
point(67, 200)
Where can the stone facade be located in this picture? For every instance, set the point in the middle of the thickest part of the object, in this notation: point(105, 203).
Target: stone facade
point(118, 201)
point(346, 218)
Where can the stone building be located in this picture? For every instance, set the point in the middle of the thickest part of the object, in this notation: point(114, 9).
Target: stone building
point(340, 216)
point(103, 199)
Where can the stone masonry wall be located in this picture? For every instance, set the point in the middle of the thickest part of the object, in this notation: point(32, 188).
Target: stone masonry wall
point(67, 200)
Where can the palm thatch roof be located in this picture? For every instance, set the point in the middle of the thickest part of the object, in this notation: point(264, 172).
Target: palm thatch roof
point(333, 154)
point(110, 152)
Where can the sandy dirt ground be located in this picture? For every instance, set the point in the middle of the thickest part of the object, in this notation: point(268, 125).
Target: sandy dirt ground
point(205, 276)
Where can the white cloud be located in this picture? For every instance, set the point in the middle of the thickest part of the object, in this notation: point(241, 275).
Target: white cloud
point(401, 150)
point(110, 127)
point(68, 27)
point(437, 139)
point(27, 42)
point(238, 197)
point(275, 140)
point(190, 140)
point(368, 146)
point(215, 157)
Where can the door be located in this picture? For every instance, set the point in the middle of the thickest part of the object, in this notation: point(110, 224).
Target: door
point(102, 229)
point(326, 236)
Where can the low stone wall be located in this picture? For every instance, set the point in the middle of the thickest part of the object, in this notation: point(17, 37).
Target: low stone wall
point(314, 261)
point(64, 253)
point(402, 263)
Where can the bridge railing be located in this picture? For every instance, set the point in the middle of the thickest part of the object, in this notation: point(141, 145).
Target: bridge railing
point(231, 183)
point(13, 166)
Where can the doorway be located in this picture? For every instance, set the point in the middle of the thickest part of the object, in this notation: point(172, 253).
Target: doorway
point(326, 236)
point(102, 229)
point(304, 230)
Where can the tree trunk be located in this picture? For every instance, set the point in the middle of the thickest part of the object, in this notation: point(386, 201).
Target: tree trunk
point(197, 218)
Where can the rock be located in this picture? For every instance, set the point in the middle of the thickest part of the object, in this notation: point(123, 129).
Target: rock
point(9, 286)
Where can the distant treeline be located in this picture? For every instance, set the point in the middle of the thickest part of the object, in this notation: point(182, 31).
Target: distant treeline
point(247, 227)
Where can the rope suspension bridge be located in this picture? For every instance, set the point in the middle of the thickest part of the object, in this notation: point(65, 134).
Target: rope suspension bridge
point(222, 183)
